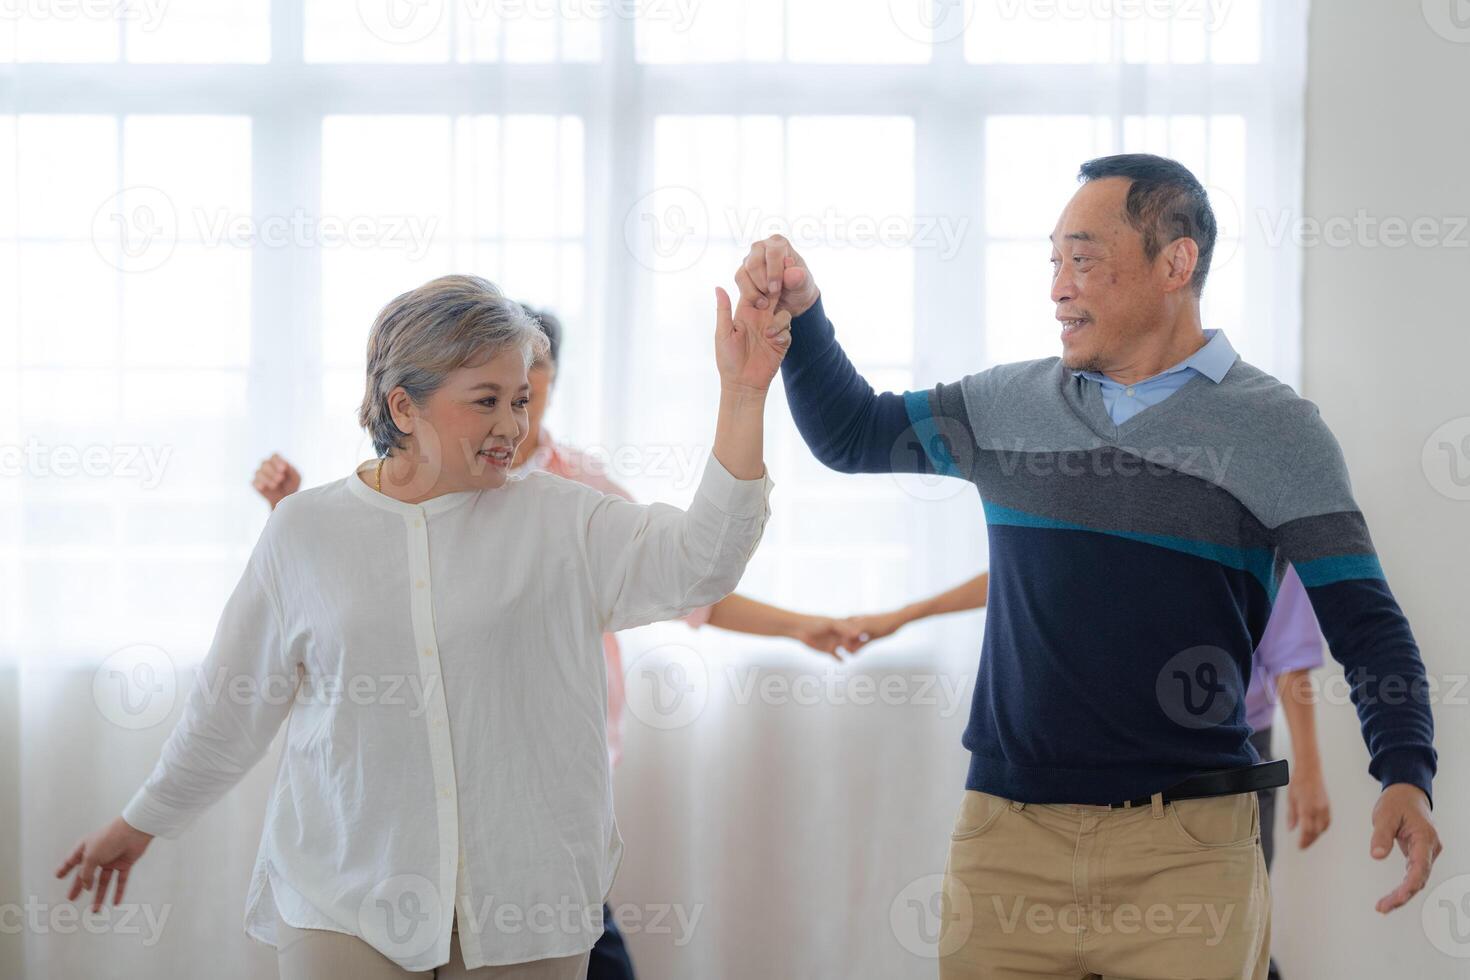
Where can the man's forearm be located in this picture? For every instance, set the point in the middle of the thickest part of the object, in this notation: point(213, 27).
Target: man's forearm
point(846, 425)
point(1368, 634)
point(1319, 528)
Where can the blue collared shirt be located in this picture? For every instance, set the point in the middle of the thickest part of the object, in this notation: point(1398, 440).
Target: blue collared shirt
point(1123, 402)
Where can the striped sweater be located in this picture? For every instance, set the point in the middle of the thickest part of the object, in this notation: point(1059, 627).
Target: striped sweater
point(1133, 566)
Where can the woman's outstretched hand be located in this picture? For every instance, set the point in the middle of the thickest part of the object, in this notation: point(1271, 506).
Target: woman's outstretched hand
point(876, 627)
point(825, 634)
point(749, 343)
point(114, 849)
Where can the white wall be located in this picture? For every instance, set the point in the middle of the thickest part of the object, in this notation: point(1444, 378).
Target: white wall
point(12, 941)
point(1386, 353)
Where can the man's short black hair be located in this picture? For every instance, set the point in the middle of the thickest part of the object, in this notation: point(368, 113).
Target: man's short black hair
point(550, 325)
point(1165, 202)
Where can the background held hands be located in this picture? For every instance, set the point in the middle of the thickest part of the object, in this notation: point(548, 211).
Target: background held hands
point(114, 849)
point(876, 627)
point(825, 634)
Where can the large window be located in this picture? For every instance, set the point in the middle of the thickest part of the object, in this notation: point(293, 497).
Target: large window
point(203, 203)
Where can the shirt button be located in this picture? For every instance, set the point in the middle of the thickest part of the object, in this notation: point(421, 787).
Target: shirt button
point(419, 584)
point(444, 793)
point(418, 522)
point(428, 651)
point(1128, 391)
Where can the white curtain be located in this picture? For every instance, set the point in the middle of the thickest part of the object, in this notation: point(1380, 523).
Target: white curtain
point(203, 203)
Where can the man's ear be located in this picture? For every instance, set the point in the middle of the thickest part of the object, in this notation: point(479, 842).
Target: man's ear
point(1182, 257)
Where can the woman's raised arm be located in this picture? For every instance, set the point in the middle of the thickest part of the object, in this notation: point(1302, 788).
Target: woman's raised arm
point(658, 562)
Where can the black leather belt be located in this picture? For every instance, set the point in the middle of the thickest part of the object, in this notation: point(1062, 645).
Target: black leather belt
point(1223, 782)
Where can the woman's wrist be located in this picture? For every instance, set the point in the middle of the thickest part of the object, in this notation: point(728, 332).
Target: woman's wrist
point(743, 392)
point(911, 612)
point(739, 431)
point(131, 829)
point(792, 623)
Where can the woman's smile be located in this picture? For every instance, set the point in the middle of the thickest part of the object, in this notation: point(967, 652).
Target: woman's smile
point(498, 456)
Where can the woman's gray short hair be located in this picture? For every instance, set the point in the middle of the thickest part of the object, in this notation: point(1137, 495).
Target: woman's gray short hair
point(424, 334)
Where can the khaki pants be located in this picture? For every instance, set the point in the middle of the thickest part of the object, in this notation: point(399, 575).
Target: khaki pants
point(320, 954)
point(1157, 892)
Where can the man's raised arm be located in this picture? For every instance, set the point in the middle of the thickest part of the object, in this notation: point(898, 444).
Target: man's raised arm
point(846, 424)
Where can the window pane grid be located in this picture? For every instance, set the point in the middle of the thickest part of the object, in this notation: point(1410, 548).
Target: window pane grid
point(129, 355)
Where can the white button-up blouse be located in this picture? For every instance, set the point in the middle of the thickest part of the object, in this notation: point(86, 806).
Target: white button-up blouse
point(445, 763)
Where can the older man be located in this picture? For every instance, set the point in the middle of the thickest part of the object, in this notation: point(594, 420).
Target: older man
point(1144, 494)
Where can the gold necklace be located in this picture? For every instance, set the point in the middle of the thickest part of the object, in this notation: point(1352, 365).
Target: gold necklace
point(379, 485)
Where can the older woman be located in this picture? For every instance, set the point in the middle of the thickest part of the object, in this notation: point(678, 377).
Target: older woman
point(413, 701)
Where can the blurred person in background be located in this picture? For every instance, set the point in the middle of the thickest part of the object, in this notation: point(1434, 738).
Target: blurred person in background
point(1290, 648)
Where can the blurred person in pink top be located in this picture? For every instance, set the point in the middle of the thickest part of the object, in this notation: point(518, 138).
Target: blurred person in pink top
point(539, 451)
